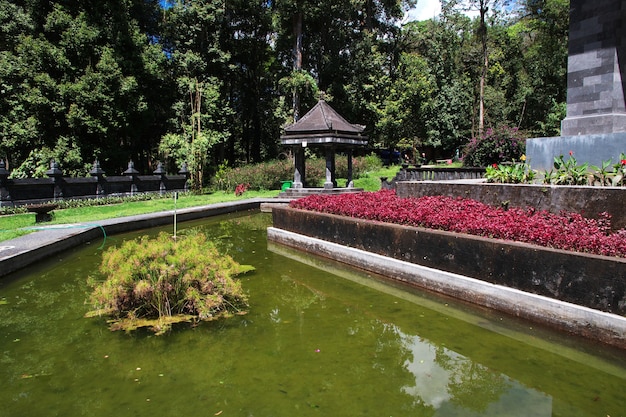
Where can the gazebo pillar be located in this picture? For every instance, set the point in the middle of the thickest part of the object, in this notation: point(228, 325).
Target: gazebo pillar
point(299, 172)
point(349, 182)
point(331, 182)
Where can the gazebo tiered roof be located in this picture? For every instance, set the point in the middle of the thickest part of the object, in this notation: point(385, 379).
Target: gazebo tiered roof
point(322, 125)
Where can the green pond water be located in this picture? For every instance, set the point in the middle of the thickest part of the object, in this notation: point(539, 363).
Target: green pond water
point(320, 339)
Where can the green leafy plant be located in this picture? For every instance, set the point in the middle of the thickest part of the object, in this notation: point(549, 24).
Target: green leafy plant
point(611, 177)
point(517, 173)
point(567, 172)
point(603, 175)
point(620, 171)
point(155, 282)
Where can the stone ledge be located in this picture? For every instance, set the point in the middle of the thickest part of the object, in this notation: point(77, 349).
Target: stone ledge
point(593, 324)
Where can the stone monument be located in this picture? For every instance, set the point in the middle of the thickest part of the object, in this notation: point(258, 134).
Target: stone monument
point(594, 129)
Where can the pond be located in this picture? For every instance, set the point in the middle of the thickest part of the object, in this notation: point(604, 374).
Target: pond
point(321, 339)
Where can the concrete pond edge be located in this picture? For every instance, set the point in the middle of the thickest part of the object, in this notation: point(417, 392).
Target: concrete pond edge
point(590, 323)
point(49, 240)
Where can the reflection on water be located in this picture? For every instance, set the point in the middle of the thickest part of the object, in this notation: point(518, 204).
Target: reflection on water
point(455, 385)
point(320, 339)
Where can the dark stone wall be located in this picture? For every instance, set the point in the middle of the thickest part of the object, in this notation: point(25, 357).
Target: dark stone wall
point(593, 281)
point(37, 190)
point(589, 201)
point(595, 70)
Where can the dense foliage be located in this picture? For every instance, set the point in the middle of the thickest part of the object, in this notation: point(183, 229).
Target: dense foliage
point(209, 81)
point(502, 144)
point(269, 175)
point(156, 282)
point(567, 231)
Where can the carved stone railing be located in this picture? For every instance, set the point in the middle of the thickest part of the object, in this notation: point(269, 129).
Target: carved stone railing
point(28, 191)
point(426, 173)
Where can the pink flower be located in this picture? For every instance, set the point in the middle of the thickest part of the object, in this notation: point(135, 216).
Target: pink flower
point(571, 153)
point(623, 161)
point(494, 165)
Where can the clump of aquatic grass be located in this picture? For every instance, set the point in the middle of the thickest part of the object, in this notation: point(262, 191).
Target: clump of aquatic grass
point(155, 282)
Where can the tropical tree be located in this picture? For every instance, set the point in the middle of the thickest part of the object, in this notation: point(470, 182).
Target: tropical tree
point(444, 44)
point(75, 79)
point(197, 63)
point(543, 29)
point(213, 82)
point(251, 83)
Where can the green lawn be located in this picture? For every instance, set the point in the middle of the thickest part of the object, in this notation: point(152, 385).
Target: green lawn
point(12, 226)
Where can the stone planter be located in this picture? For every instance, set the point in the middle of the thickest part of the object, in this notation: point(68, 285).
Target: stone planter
point(593, 281)
point(42, 211)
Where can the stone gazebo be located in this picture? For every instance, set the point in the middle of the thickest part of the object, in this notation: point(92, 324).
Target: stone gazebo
point(322, 127)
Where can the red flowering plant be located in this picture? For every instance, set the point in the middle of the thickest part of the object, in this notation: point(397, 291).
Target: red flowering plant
point(567, 231)
point(241, 188)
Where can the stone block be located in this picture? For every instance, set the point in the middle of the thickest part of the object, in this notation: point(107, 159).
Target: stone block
point(592, 148)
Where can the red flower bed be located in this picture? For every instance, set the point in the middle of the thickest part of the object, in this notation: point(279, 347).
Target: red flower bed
point(567, 231)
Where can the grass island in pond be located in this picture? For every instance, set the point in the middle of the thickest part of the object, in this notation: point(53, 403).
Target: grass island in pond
point(155, 282)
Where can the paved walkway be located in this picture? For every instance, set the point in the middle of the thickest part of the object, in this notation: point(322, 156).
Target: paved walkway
point(48, 240)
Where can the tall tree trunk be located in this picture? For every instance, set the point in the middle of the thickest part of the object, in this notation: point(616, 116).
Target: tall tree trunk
point(195, 98)
point(297, 60)
point(483, 74)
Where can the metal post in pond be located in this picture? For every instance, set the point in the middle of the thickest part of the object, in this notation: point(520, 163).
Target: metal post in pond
point(175, 199)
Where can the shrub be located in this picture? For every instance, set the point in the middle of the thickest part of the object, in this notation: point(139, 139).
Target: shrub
point(498, 145)
point(517, 173)
point(263, 176)
point(268, 175)
point(157, 282)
